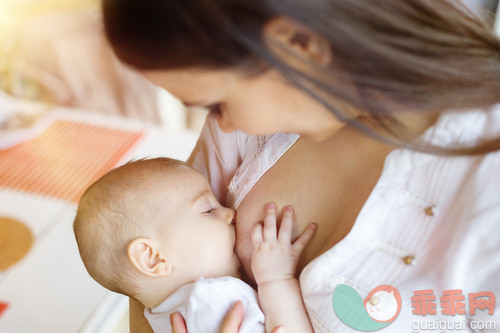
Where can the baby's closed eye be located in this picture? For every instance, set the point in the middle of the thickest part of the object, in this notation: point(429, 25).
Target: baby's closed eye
point(208, 211)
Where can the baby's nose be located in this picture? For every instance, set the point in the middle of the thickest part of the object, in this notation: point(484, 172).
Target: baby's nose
point(229, 215)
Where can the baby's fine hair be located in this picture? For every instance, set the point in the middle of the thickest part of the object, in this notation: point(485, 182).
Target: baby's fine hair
point(119, 207)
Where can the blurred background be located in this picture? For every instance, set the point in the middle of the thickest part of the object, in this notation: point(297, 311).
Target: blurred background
point(53, 54)
point(55, 51)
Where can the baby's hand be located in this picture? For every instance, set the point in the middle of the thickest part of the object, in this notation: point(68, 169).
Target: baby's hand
point(274, 256)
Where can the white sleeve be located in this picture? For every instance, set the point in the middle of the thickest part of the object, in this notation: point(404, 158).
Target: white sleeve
point(217, 155)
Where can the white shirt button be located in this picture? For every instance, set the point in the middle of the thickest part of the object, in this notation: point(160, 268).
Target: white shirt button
point(408, 260)
point(430, 210)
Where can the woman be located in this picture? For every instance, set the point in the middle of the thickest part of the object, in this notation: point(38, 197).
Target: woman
point(370, 86)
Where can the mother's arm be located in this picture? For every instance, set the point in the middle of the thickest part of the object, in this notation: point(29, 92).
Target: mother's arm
point(137, 321)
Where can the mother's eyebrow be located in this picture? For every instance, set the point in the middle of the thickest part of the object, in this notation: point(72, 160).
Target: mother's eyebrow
point(196, 103)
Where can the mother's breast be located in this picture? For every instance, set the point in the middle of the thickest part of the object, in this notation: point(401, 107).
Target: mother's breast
point(326, 182)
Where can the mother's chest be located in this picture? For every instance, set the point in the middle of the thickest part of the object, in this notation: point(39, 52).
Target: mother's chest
point(327, 183)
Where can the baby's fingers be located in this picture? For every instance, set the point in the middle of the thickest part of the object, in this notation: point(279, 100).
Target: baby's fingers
point(304, 238)
point(270, 223)
point(285, 232)
point(257, 234)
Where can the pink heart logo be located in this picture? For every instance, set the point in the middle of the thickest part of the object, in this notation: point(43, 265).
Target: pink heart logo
point(383, 303)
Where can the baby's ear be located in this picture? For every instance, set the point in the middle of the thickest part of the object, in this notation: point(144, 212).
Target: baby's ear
point(146, 256)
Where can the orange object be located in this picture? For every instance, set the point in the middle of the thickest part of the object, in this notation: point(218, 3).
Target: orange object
point(65, 159)
point(16, 240)
point(3, 307)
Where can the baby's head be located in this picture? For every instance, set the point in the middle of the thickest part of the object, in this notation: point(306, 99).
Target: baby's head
point(150, 226)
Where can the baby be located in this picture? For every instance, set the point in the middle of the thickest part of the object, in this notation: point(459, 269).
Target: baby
point(154, 231)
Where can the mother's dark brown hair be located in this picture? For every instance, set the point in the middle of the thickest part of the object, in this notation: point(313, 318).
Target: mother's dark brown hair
point(423, 55)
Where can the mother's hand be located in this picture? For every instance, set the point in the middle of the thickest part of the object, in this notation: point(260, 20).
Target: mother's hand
point(231, 323)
